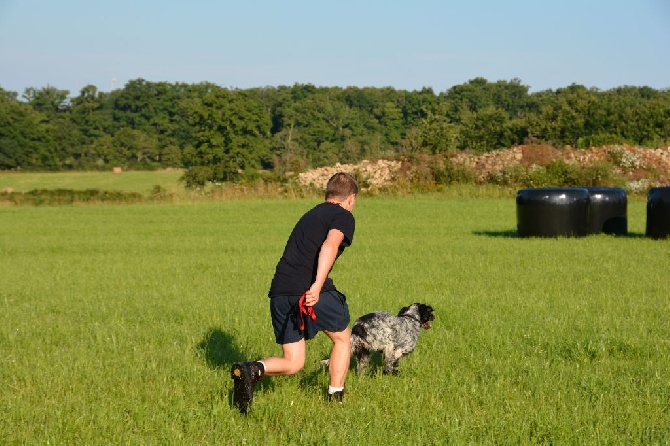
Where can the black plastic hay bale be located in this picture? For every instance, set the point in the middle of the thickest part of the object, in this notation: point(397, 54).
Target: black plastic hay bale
point(608, 210)
point(552, 212)
point(658, 212)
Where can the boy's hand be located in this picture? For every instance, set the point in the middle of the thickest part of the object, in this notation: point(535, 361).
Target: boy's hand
point(312, 295)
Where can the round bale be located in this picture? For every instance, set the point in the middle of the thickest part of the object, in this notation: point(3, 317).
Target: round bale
point(552, 212)
point(608, 210)
point(658, 212)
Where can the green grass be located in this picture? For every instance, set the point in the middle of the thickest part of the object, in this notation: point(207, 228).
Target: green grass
point(118, 325)
point(141, 182)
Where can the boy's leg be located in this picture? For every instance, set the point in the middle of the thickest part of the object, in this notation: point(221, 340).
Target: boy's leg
point(246, 374)
point(291, 362)
point(340, 356)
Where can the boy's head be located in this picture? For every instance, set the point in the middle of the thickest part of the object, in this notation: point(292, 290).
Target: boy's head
point(340, 187)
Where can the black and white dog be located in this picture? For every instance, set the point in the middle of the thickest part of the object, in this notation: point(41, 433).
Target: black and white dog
point(394, 336)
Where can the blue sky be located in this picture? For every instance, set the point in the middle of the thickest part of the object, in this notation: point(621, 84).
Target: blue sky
point(406, 45)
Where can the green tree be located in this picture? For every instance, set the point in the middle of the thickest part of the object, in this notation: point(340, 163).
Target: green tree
point(136, 147)
point(48, 100)
point(417, 105)
point(391, 119)
point(438, 134)
point(66, 143)
point(231, 132)
point(316, 126)
point(171, 156)
point(91, 111)
point(485, 130)
point(104, 152)
point(24, 135)
point(562, 117)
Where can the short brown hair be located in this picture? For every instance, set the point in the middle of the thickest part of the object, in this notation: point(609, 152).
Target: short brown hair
point(340, 186)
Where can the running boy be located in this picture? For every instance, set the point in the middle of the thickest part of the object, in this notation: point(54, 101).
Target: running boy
point(303, 299)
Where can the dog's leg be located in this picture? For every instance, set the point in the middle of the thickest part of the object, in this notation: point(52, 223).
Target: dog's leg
point(395, 366)
point(391, 359)
point(362, 360)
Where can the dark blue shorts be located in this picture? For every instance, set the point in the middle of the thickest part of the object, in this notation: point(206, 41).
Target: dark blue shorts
point(332, 314)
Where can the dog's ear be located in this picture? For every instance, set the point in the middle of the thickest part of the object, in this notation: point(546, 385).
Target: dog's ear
point(426, 312)
point(402, 311)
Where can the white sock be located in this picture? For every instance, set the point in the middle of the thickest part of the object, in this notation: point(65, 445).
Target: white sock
point(332, 389)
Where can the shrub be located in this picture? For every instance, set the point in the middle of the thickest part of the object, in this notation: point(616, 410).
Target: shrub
point(196, 177)
point(560, 173)
point(597, 174)
point(599, 140)
point(557, 173)
point(361, 178)
point(517, 175)
point(621, 157)
point(158, 193)
point(447, 173)
point(50, 197)
point(640, 186)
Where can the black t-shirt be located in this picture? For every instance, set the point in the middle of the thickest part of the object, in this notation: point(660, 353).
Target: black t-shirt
point(296, 269)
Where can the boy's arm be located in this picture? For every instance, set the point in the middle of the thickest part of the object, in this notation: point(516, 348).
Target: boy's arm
point(327, 257)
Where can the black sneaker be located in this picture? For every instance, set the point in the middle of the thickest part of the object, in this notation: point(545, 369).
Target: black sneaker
point(245, 376)
point(337, 396)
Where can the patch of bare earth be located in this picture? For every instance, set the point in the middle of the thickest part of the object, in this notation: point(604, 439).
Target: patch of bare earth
point(632, 163)
point(379, 173)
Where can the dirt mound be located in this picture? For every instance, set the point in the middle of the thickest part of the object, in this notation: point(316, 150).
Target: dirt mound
point(632, 163)
point(378, 173)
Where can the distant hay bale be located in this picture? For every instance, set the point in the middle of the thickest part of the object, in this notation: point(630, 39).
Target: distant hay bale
point(117, 170)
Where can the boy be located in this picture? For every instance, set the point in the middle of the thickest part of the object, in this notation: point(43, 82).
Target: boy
point(303, 299)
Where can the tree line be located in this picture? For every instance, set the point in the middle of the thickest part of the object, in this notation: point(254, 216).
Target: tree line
point(222, 133)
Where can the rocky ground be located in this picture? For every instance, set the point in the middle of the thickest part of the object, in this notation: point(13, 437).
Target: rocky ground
point(634, 163)
point(378, 173)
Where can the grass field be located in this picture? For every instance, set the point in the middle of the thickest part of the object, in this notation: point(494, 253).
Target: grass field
point(130, 181)
point(118, 325)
